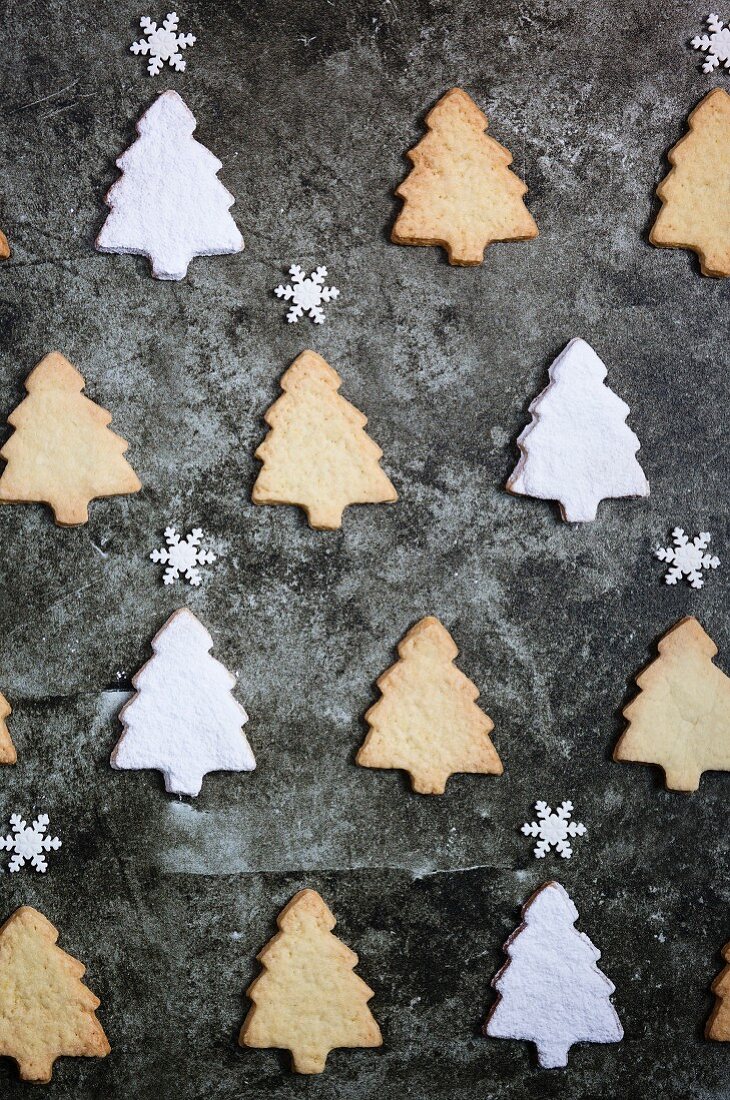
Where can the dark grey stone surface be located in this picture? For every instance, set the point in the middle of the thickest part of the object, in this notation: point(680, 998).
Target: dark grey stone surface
point(311, 107)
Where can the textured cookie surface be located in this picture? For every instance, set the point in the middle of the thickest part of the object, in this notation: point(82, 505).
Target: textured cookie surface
point(695, 196)
point(62, 453)
point(461, 193)
point(45, 1009)
point(4, 246)
point(318, 454)
point(680, 719)
point(427, 722)
point(308, 999)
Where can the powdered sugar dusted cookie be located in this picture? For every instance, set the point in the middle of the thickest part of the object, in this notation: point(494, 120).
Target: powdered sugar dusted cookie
point(695, 195)
point(427, 721)
point(169, 203)
point(318, 454)
point(461, 193)
point(577, 449)
point(550, 991)
point(46, 1011)
point(183, 719)
point(308, 999)
point(62, 452)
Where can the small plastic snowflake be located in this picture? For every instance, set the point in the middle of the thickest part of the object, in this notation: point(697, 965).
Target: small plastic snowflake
point(29, 843)
point(553, 829)
point(162, 44)
point(687, 559)
point(715, 45)
point(307, 294)
point(183, 556)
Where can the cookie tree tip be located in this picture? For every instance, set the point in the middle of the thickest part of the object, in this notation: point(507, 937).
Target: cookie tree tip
point(551, 991)
point(46, 1011)
point(680, 720)
point(62, 452)
point(308, 999)
point(318, 454)
point(427, 722)
point(461, 193)
point(169, 204)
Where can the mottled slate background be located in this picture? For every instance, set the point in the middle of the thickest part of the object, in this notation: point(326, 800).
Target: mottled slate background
point(311, 107)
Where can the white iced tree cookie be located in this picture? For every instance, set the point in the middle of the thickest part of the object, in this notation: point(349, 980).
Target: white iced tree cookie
point(551, 992)
point(169, 204)
point(183, 719)
point(578, 449)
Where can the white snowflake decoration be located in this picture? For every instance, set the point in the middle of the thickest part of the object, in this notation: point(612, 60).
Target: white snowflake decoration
point(28, 843)
point(307, 294)
point(183, 556)
point(715, 45)
point(553, 829)
point(687, 559)
point(162, 44)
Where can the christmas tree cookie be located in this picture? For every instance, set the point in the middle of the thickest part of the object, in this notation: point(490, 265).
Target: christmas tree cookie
point(4, 247)
point(695, 211)
point(578, 449)
point(169, 204)
point(551, 992)
point(680, 719)
point(46, 1011)
point(183, 720)
point(8, 754)
point(718, 1025)
point(308, 1000)
point(318, 454)
point(427, 721)
point(62, 452)
point(461, 193)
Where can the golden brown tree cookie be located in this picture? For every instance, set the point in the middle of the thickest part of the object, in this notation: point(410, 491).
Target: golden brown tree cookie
point(4, 246)
point(318, 454)
point(718, 1025)
point(308, 999)
point(45, 1009)
point(681, 718)
point(427, 721)
point(8, 755)
point(461, 193)
point(62, 452)
point(695, 195)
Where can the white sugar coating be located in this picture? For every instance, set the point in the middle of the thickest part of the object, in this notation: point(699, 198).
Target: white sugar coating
point(169, 204)
point(551, 991)
point(183, 721)
point(578, 449)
